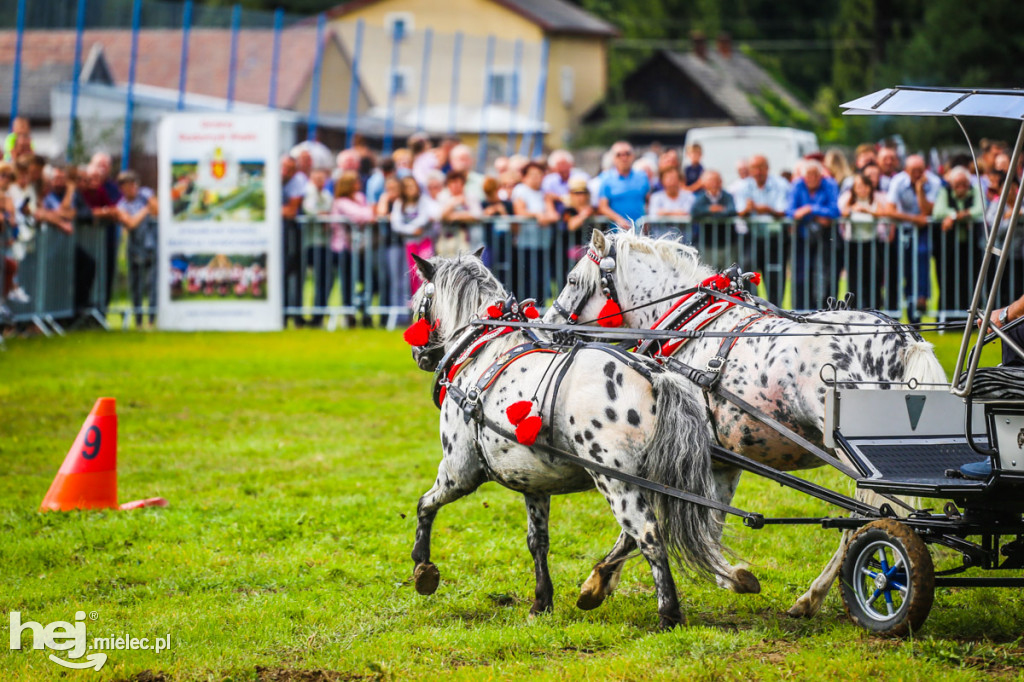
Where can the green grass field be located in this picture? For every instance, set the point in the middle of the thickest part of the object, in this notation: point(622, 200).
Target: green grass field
point(293, 463)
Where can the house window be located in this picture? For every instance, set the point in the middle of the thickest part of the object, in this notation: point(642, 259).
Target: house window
point(399, 24)
point(503, 87)
point(400, 81)
point(568, 86)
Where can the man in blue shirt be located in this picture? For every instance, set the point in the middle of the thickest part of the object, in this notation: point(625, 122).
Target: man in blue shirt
point(814, 207)
point(623, 197)
point(911, 196)
point(762, 201)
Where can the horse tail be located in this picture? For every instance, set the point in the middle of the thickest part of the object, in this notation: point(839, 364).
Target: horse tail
point(919, 362)
point(678, 455)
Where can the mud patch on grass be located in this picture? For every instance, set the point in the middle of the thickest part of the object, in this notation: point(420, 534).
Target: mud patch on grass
point(297, 675)
point(146, 676)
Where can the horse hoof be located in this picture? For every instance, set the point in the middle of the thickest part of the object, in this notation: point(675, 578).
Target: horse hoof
point(801, 609)
point(426, 576)
point(541, 607)
point(589, 600)
point(670, 622)
point(746, 582)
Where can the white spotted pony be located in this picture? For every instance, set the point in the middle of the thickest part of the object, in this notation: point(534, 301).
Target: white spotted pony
point(777, 374)
point(603, 410)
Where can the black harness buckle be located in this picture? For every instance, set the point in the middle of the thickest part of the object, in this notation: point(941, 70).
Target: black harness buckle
point(715, 364)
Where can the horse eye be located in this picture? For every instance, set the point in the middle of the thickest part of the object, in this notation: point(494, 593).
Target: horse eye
point(572, 280)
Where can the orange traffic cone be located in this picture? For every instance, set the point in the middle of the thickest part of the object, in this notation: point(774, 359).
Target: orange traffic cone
point(88, 477)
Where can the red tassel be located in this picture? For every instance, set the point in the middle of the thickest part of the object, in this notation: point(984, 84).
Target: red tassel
point(517, 412)
point(530, 312)
point(418, 334)
point(526, 432)
point(493, 312)
point(755, 279)
point(610, 315)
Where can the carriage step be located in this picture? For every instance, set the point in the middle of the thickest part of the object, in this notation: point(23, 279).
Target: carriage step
point(914, 466)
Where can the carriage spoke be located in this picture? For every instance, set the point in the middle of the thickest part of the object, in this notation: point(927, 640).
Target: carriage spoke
point(882, 560)
point(868, 572)
point(895, 567)
point(888, 601)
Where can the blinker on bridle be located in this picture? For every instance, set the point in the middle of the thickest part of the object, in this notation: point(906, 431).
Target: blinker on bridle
point(611, 313)
point(418, 334)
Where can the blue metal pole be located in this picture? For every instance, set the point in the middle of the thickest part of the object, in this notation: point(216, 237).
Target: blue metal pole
point(353, 90)
point(126, 150)
point(481, 152)
point(318, 63)
point(16, 84)
point(517, 67)
point(236, 21)
point(387, 142)
point(76, 74)
point(538, 139)
point(186, 29)
point(275, 57)
point(538, 103)
point(428, 39)
point(454, 101)
point(389, 118)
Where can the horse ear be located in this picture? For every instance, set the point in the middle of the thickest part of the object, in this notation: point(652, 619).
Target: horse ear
point(598, 241)
point(424, 266)
point(479, 252)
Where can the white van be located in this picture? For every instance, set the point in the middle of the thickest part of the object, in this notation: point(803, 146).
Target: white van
point(724, 146)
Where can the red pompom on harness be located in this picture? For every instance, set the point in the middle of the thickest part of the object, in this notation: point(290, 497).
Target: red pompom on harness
point(530, 311)
point(527, 425)
point(610, 315)
point(418, 333)
point(518, 411)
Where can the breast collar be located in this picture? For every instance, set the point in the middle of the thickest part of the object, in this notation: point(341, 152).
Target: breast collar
point(475, 338)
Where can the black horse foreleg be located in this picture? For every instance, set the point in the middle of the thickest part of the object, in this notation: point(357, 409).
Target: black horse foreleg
point(448, 487)
point(537, 507)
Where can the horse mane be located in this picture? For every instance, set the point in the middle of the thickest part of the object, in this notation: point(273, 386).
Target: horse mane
point(463, 288)
point(682, 259)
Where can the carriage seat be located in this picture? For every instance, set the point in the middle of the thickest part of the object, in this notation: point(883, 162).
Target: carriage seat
point(999, 383)
point(993, 383)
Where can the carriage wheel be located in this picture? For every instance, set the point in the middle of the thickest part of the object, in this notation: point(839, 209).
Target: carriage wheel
point(887, 578)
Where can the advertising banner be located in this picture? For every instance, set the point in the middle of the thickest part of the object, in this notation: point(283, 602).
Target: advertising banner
point(220, 223)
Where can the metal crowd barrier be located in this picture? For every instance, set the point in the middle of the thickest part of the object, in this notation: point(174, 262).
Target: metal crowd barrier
point(365, 273)
point(890, 270)
point(67, 277)
point(363, 277)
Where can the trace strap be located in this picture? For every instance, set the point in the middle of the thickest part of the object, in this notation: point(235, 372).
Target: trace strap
point(750, 519)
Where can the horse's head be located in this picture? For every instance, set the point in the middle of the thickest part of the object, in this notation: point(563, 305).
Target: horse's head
point(622, 271)
point(583, 295)
point(454, 292)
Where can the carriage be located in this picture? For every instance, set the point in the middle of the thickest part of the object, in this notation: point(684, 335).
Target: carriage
point(960, 444)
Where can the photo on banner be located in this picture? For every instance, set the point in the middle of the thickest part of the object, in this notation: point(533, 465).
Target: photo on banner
point(220, 223)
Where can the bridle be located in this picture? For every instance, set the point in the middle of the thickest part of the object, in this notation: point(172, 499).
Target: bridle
point(421, 332)
point(607, 265)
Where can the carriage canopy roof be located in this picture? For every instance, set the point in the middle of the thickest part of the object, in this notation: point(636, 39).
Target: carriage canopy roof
point(906, 100)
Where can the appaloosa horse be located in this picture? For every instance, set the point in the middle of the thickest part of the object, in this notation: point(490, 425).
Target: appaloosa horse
point(596, 403)
point(778, 373)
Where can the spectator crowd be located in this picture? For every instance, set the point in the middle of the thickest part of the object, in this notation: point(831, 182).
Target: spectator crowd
point(36, 193)
point(805, 225)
